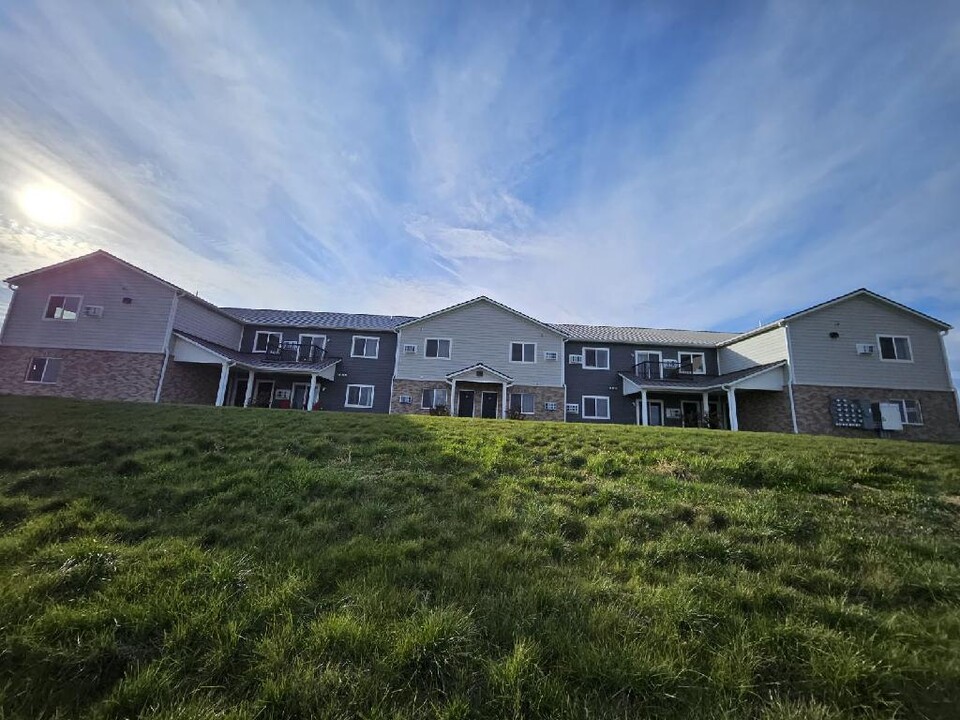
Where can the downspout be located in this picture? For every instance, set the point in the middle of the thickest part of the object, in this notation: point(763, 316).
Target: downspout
point(792, 379)
point(396, 367)
point(563, 374)
point(946, 363)
point(166, 346)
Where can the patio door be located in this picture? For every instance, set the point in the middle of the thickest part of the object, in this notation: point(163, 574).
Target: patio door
point(263, 393)
point(240, 392)
point(298, 400)
point(691, 413)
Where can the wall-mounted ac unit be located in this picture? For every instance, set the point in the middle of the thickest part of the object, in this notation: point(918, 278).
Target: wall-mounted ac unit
point(409, 349)
point(576, 359)
point(672, 412)
point(93, 311)
point(281, 394)
point(865, 349)
point(573, 408)
point(551, 355)
point(550, 406)
point(405, 399)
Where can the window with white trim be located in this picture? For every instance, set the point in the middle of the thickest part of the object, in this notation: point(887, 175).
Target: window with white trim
point(44, 370)
point(436, 397)
point(595, 407)
point(359, 396)
point(909, 411)
point(596, 358)
point(522, 403)
point(692, 362)
point(365, 347)
point(437, 348)
point(307, 343)
point(63, 307)
point(895, 348)
point(649, 363)
point(523, 352)
point(265, 340)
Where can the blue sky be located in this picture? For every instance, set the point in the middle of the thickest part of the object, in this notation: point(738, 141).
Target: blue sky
point(700, 165)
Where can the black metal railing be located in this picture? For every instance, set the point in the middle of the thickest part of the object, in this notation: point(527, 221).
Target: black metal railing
point(295, 352)
point(665, 369)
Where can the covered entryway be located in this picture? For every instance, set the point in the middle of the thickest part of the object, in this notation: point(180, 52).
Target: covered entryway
point(490, 384)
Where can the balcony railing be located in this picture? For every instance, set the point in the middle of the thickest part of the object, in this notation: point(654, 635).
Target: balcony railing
point(665, 369)
point(294, 352)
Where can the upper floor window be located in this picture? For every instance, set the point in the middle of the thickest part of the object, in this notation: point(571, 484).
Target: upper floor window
point(63, 307)
point(438, 348)
point(43, 370)
point(692, 362)
point(311, 347)
point(909, 411)
point(596, 358)
point(523, 352)
point(365, 347)
point(895, 347)
point(649, 363)
point(265, 340)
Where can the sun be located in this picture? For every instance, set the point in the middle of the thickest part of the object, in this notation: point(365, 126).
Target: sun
point(49, 204)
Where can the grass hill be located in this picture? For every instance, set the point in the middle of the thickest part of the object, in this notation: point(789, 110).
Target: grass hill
point(187, 562)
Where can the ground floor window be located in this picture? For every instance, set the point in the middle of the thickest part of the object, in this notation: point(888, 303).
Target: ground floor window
point(522, 403)
point(595, 407)
point(909, 411)
point(359, 396)
point(44, 370)
point(434, 398)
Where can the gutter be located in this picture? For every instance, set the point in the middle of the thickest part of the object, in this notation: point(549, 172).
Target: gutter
point(946, 363)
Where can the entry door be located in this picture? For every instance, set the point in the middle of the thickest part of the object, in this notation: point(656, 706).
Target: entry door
point(299, 399)
point(240, 392)
point(465, 404)
point(263, 393)
point(488, 408)
point(691, 413)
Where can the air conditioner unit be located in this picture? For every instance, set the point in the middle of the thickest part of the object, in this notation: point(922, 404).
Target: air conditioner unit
point(93, 311)
point(573, 408)
point(550, 406)
point(405, 399)
point(672, 413)
point(551, 355)
point(865, 348)
point(409, 349)
point(576, 359)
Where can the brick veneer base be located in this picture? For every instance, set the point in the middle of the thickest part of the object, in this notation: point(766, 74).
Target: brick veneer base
point(87, 374)
point(939, 409)
point(415, 388)
point(763, 411)
point(190, 383)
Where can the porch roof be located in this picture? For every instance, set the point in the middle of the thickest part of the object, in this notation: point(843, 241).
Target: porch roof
point(691, 383)
point(255, 361)
point(480, 366)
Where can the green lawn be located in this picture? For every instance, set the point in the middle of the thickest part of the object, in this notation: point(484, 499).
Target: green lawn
point(182, 562)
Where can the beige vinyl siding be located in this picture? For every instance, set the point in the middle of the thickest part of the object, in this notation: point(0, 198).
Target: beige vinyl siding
point(767, 347)
point(140, 326)
point(820, 360)
point(194, 318)
point(481, 333)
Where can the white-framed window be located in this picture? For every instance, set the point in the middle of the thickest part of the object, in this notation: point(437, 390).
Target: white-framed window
point(523, 352)
point(522, 402)
point(596, 358)
point(655, 412)
point(359, 396)
point(653, 363)
point(409, 349)
point(44, 370)
point(365, 347)
point(63, 307)
point(595, 407)
point(435, 398)
point(307, 343)
point(437, 348)
point(909, 411)
point(266, 339)
point(692, 362)
point(895, 348)
point(572, 408)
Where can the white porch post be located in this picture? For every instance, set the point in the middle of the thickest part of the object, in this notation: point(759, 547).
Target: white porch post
point(313, 390)
point(706, 409)
point(732, 403)
point(222, 389)
point(636, 408)
point(454, 400)
point(248, 398)
point(644, 408)
point(504, 411)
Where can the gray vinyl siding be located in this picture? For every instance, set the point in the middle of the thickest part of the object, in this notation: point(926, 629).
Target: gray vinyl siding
point(350, 371)
point(581, 381)
point(767, 347)
point(481, 333)
point(196, 319)
point(140, 326)
point(820, 360)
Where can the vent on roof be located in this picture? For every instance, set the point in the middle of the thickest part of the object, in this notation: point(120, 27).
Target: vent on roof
point(409, 349)
point(576, 359)
point(550, 355)
point(93, 311)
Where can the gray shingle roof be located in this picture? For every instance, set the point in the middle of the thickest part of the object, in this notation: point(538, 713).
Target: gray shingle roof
point(256, 361)
point(700, 382)
point(644, 336)
point(306, 318)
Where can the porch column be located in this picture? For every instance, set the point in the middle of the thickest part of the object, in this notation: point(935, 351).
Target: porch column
point(732, 403)
point(248, 398)
point(313, 389)
point(706, 410)
point(454, 400)
point(222, 388)
point(504, 410)
point(644, 408)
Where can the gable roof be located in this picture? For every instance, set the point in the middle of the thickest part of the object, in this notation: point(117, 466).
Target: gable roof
point(308, 319)
point(642, 335)
point(480, 366)
point(484, 298)
point(860, 292)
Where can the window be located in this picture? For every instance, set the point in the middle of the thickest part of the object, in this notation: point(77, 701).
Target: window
point(596, 407)
point(521, 402)
point(63, 307)
point(434, 398)
point(692, 362)
point(43, 370)
point(649, 364)
point(359, 396)
point(596, 358)
point(523, 352)
point(895, 348)
point(365, 347)
point(264, 341)
point(438, 348)
point(307, 345)
point(909, 411)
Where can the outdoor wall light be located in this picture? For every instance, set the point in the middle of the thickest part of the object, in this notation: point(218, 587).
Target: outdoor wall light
point(834, 334)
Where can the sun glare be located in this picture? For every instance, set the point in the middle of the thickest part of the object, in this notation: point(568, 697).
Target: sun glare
point(49, 204)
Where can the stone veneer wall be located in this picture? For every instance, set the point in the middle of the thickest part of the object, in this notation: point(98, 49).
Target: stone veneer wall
point(190, 383)
point(939, 410)
point(87, 374)
point(762, 411)
point(415, 388)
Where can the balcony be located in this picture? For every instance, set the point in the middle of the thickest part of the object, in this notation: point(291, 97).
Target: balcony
point(665, 370)
point(295, 352)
